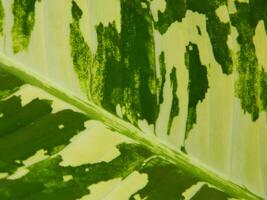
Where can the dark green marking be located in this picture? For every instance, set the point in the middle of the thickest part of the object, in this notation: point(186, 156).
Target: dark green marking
point(10, 107)
point(25, 130)
point(127, 64)
point(217, 30)
point(138, 58)
point(24, 19)
point(175, 11)
point(209, 193)
point(80, 51)
point(107, 72)
point(9, 84)
point(198, 30)
point(100, 75)
point(248, 73)
point(164, 181)
point(162, 74)
point(175, 101)
point(263, 94)
point(198, 84)
point(22, 115)
point(2, 16)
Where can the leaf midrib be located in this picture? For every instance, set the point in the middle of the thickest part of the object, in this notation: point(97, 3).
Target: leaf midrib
point(179, 159)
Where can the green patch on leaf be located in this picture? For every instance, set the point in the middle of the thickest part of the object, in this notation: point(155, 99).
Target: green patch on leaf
point(29, 128)
point(24, 19)
point(175, 11)
point(138, 58)
point(263, 94)
point(162, 75)
point(209, 193)
point(164, 181)
point(9, 84)
point(175, 101)
point(107, 72)
point(217, 30)
point(250, 86)
point(80, 51)
point(197, 86)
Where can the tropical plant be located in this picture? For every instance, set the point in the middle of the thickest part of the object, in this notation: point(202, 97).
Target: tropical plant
point(133, 99)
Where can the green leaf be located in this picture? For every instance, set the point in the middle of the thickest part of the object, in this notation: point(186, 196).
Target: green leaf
point(97, 98)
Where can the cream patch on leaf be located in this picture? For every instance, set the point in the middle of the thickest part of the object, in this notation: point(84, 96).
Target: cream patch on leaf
point(67, 178)
point(37, 157)
point(3, 175)
point(222, 13)
point(260, 42)
point(190, 192)
point(156, 6)
point(28, 93)
point(23, 170)
point(96, 144)
point(117, 188)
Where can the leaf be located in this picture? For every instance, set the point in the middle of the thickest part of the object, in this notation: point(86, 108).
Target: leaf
point(169, 68)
